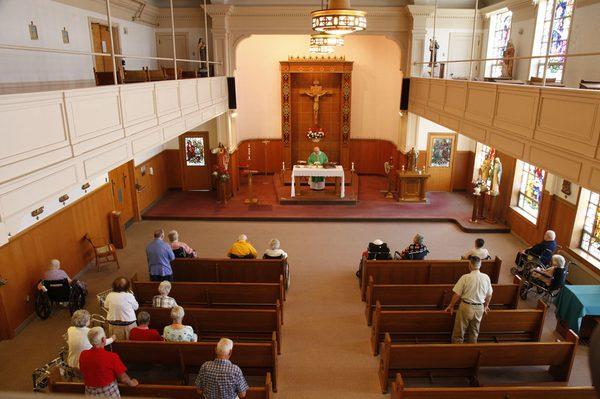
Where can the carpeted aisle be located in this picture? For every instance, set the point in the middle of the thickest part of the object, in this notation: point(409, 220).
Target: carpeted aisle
point(326, 351)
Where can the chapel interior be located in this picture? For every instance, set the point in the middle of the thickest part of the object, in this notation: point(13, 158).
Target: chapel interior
point(332, 126)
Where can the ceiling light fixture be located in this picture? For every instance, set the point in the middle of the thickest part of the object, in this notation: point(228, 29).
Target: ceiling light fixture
point(339, 18)
point(321, 49)
point(325, 39)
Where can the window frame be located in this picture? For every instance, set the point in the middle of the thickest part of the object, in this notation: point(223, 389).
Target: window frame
point(524, 173)
point(493, 46)
point(595, 225)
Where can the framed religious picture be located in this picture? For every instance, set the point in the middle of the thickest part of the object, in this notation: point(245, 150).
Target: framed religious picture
point(441, 152)
point(65, 36)
point(566, 187)
point(195, 151)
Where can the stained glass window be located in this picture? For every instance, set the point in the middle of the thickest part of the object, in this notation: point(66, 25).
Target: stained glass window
point(194, 151)
point(530, 190)
point(559, 39)
point(590, 239)
point(498, 39)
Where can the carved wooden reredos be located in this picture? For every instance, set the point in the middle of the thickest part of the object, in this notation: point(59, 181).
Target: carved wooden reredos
point(334, 74)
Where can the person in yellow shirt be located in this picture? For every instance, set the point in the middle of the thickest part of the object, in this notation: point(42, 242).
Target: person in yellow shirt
point(242, 249)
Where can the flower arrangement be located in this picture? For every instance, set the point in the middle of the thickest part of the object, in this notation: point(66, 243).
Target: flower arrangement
point(315, 134)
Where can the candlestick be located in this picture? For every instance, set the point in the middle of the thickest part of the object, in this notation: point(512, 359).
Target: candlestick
point(283, 166)
point(352, 166)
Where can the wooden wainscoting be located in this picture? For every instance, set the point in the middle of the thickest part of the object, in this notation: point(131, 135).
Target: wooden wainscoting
point(528, 231)
point(173, 165)
point(369, 155)
point(562, 220)
point(26, 256)
point(154, 182)
point(462, 172)
point(263, 157)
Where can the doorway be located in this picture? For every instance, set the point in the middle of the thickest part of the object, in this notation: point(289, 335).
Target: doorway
point(164, 48)
point(441, 150)
point(101, 44)
point(194, 150)
point(121, 180)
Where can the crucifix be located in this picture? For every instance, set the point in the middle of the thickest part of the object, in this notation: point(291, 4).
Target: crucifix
point(316, 92)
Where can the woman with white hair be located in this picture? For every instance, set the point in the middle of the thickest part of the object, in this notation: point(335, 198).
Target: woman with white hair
point(554, 272)
point(417, 250)
point(242, 249)
point(542, 250)
point(180, 249)
point(177, 331)
point(77, 337)
point(274, 251)
point(164, 300)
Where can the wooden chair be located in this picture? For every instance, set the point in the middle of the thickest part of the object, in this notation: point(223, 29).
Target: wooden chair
point(170, 73)
point(189, 74)
point(104, 251)
point(135, 76)
point(155, 75)
point(106, 78)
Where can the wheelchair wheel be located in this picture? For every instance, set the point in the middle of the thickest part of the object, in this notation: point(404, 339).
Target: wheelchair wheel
point(43, 306)
point(76, 299)
point(524, 292)
point(513, 270)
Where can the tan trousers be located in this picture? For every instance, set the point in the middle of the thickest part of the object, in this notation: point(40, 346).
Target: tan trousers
point(467, 320)
point(121, 332)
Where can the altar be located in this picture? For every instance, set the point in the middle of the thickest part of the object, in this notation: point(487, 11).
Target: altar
point(336, 172)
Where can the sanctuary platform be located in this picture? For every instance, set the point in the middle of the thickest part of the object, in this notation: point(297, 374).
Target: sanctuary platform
point(305, 196)
point(371, 206)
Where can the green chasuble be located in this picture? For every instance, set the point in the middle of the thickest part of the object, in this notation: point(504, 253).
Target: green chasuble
point(320, 158)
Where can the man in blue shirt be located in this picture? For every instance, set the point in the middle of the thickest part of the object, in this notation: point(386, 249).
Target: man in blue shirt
point(159, 255)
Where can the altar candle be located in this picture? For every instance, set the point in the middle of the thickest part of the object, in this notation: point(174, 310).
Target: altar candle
point(352, 165)
point(283, 166)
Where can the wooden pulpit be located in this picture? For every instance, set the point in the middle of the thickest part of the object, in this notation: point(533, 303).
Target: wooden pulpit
point(412, 186)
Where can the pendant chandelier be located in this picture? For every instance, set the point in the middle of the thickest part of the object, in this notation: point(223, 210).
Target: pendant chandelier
point(338, 18)
point(325, 39)
point(321, 49)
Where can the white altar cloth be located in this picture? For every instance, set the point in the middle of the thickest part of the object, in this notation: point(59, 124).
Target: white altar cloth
point(309, 170)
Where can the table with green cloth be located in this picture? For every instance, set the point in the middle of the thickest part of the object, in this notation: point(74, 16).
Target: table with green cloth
point(577, 301)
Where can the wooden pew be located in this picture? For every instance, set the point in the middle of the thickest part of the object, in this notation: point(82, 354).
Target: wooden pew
point(400, 391)
point(421, 271)
point(416, 326)
point(107, 78)
point(159, 391)
point(254, 358)
point(155, 75)
point(216, 295)
point(237, 324)
point(421, 360)
point(431, 296)
point(170, 73)
point(135, 75)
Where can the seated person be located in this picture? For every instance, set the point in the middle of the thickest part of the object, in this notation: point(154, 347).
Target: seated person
point(177, 332)
point(142, 332)
point(219, 378)
point(77, 337)
point(417, 250)
point(163, 300)
point(242, 249)
point(542, 250)
point(180, 249)
point(552, 276)
point(274, 251)
point(54, 273)
point(377, 250)
point(478, 251)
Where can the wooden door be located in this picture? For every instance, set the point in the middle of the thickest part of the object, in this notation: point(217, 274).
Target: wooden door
point(441, 150)
point(122, 182)
point(101, 44)
point(194, 152)
point(164, 48)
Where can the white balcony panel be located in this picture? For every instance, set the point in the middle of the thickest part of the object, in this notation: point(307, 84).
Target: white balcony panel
point(138, 107)
point(203, 93)
point(173, 130)
point(93, 112)
point(516, 109)
point(146, 140)
point(106, 160)
point(25, 166)
point(167, 101)
point(193, 120)
point(188, 97)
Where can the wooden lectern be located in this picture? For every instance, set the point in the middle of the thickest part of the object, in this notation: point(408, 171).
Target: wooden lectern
point(411, 186)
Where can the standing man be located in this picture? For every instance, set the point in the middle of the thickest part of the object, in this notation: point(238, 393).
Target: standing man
point(219, 378)
point(159, 255)
point(317, 158)
point(474, 290)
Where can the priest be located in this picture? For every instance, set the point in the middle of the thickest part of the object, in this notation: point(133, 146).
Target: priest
point(317, 158)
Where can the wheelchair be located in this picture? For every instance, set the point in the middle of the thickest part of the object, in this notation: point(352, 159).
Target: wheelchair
point(546, 293)
point(525, 263)
point(59, 291)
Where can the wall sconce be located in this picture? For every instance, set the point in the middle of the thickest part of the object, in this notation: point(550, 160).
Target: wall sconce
point(85, 187)
point(65, 35)
point(63, 198)
point(33, 32)
point(37, 212)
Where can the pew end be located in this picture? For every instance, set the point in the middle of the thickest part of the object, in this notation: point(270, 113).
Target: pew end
point(398, 387)
point(384, 363)
point(563, 372)
point(375, 329)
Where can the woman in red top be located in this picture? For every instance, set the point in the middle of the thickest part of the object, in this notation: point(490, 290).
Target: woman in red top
point(142, 332)
point(102, 369)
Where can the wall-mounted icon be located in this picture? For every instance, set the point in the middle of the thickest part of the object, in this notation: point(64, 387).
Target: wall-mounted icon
point(65, 35)
point(33, 32)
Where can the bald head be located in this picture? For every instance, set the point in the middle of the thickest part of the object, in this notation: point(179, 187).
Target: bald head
point(316, 150)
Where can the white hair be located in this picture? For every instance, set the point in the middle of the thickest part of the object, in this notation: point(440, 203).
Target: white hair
point(96, 335)
point(164, 287)
point(224, 347)
point(549, 235)
point(177, 313)
point(80, 318)
point(475, 262)
point(558, 260)
point(55, 264)
point(173, 235)
point(274, 243)
point(418, 238)
point(242, 237)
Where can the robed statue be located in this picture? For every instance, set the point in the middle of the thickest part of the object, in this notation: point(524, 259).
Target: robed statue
point(496, 177)
point(485, 170)
point(508, 60)
point(413, 157)
point(433, 49)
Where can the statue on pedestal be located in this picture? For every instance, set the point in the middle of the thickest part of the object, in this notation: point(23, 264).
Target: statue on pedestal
point(508, 60)
point(388, 167)
point(413, 157)
point(484, 172)
point(496, 177)
point(433, 49)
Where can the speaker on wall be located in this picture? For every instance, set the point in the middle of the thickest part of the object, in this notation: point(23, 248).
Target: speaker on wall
point(404, 94)
point(231, 93)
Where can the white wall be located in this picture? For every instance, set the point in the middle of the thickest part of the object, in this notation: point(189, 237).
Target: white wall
point(50, 17)
point(376, 84)
point(425, 126)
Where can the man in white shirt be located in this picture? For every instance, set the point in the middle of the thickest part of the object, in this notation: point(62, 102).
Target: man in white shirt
point(121, 305)
point(474, 290)
point(479, 251)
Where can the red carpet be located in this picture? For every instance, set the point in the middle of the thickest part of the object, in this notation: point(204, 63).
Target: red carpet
point(372, 206)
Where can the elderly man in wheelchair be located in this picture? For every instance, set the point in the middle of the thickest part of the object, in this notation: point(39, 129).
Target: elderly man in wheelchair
point(538, 255)
point(546, 281)
point(57, 288)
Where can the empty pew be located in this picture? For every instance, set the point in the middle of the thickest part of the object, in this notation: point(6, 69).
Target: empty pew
point(215, 295)
point(421, 360)
point(431, 296)
point(421, 271)
point(236, 324)
point(135, 75)
point(416, 326)
point(400, 391)
point(158, 391)
point(254, 358)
